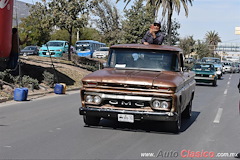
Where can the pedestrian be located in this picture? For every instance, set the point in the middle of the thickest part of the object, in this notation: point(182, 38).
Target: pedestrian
point(153, 35)
point(15, 50)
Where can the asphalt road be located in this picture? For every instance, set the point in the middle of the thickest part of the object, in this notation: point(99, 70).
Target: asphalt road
point(51, 128)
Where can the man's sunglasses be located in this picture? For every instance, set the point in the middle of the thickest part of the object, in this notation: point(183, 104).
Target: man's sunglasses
point(156, 24)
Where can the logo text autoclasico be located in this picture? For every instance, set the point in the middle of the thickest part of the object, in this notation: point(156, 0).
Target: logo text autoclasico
point(187, 154)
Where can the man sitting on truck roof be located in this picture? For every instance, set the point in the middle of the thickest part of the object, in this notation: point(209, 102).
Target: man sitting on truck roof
point(154, 35)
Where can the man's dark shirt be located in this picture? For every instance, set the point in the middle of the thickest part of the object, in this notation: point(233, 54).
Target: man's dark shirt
point(149, 38)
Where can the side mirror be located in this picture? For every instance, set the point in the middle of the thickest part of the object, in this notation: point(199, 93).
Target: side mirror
point(104, 64)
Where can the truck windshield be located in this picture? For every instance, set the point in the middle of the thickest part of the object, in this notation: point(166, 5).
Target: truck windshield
point(143, 60)
point(203, 67)
point(211, 60)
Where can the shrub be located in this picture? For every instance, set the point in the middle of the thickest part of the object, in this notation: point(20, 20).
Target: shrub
point(6, 76)
point(48, 78)
point(27, 81)
point(91, 68)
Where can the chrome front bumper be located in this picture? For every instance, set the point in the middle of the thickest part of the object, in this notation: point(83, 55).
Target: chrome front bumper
point(138, 115)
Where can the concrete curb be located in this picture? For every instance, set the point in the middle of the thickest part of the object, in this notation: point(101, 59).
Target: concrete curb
point(4, 99)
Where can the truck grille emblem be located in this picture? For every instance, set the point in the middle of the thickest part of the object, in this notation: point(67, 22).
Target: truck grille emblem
point(126, 103)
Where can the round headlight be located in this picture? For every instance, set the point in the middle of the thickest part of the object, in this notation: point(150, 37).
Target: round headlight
point(89, 99)
point(156, 104)
point(164, 105)
point(97, 99)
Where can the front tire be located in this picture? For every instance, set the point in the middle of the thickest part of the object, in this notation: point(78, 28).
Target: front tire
point(214, 83)
point(187, 113)
point(176, 125)
point(91, 120)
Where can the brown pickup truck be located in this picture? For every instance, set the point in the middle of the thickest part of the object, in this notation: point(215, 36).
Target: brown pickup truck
point(139, 82)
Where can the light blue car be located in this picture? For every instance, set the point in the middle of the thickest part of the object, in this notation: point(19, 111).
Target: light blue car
point(55, 48)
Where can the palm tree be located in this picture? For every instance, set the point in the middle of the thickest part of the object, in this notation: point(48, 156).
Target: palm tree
point(154, 3)
point(212, 39)
point(168, 7)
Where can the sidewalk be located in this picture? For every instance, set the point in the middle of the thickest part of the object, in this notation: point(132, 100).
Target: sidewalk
point(36, 94)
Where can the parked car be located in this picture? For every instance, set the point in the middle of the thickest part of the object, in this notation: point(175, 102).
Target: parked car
point(139, 82)
point(205, 73)
point(55, 48)
point(102, 52)
point(30, 50)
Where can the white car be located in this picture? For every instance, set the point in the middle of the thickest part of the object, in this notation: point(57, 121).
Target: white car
point(102, 52)
point(228, 66)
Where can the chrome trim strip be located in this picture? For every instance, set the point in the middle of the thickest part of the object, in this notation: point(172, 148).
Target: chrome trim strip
point(124, 97)
point(206, 78)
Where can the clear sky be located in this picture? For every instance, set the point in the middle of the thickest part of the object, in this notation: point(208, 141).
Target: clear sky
point(221, 16)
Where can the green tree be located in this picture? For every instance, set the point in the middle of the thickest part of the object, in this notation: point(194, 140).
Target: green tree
point(91, 33)
point(36, 25)
point(107, 20)
point(212, 39)
point(187, 45)
point(201, 49)
point(60, 35)
point(85, 33)
point(69, 14)
point(174, 38)
point(137, 22)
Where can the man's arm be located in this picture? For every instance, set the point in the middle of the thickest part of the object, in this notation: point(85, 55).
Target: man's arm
point(147, 38)
point(144, 39)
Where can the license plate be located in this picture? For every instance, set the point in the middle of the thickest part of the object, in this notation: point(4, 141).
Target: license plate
point(47, 53)
point(126, 118)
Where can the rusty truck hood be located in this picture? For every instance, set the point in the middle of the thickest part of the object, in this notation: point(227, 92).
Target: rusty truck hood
point(136, 77)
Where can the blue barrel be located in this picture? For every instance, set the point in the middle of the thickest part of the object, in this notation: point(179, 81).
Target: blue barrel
point(20, 94)
point(58, 89)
